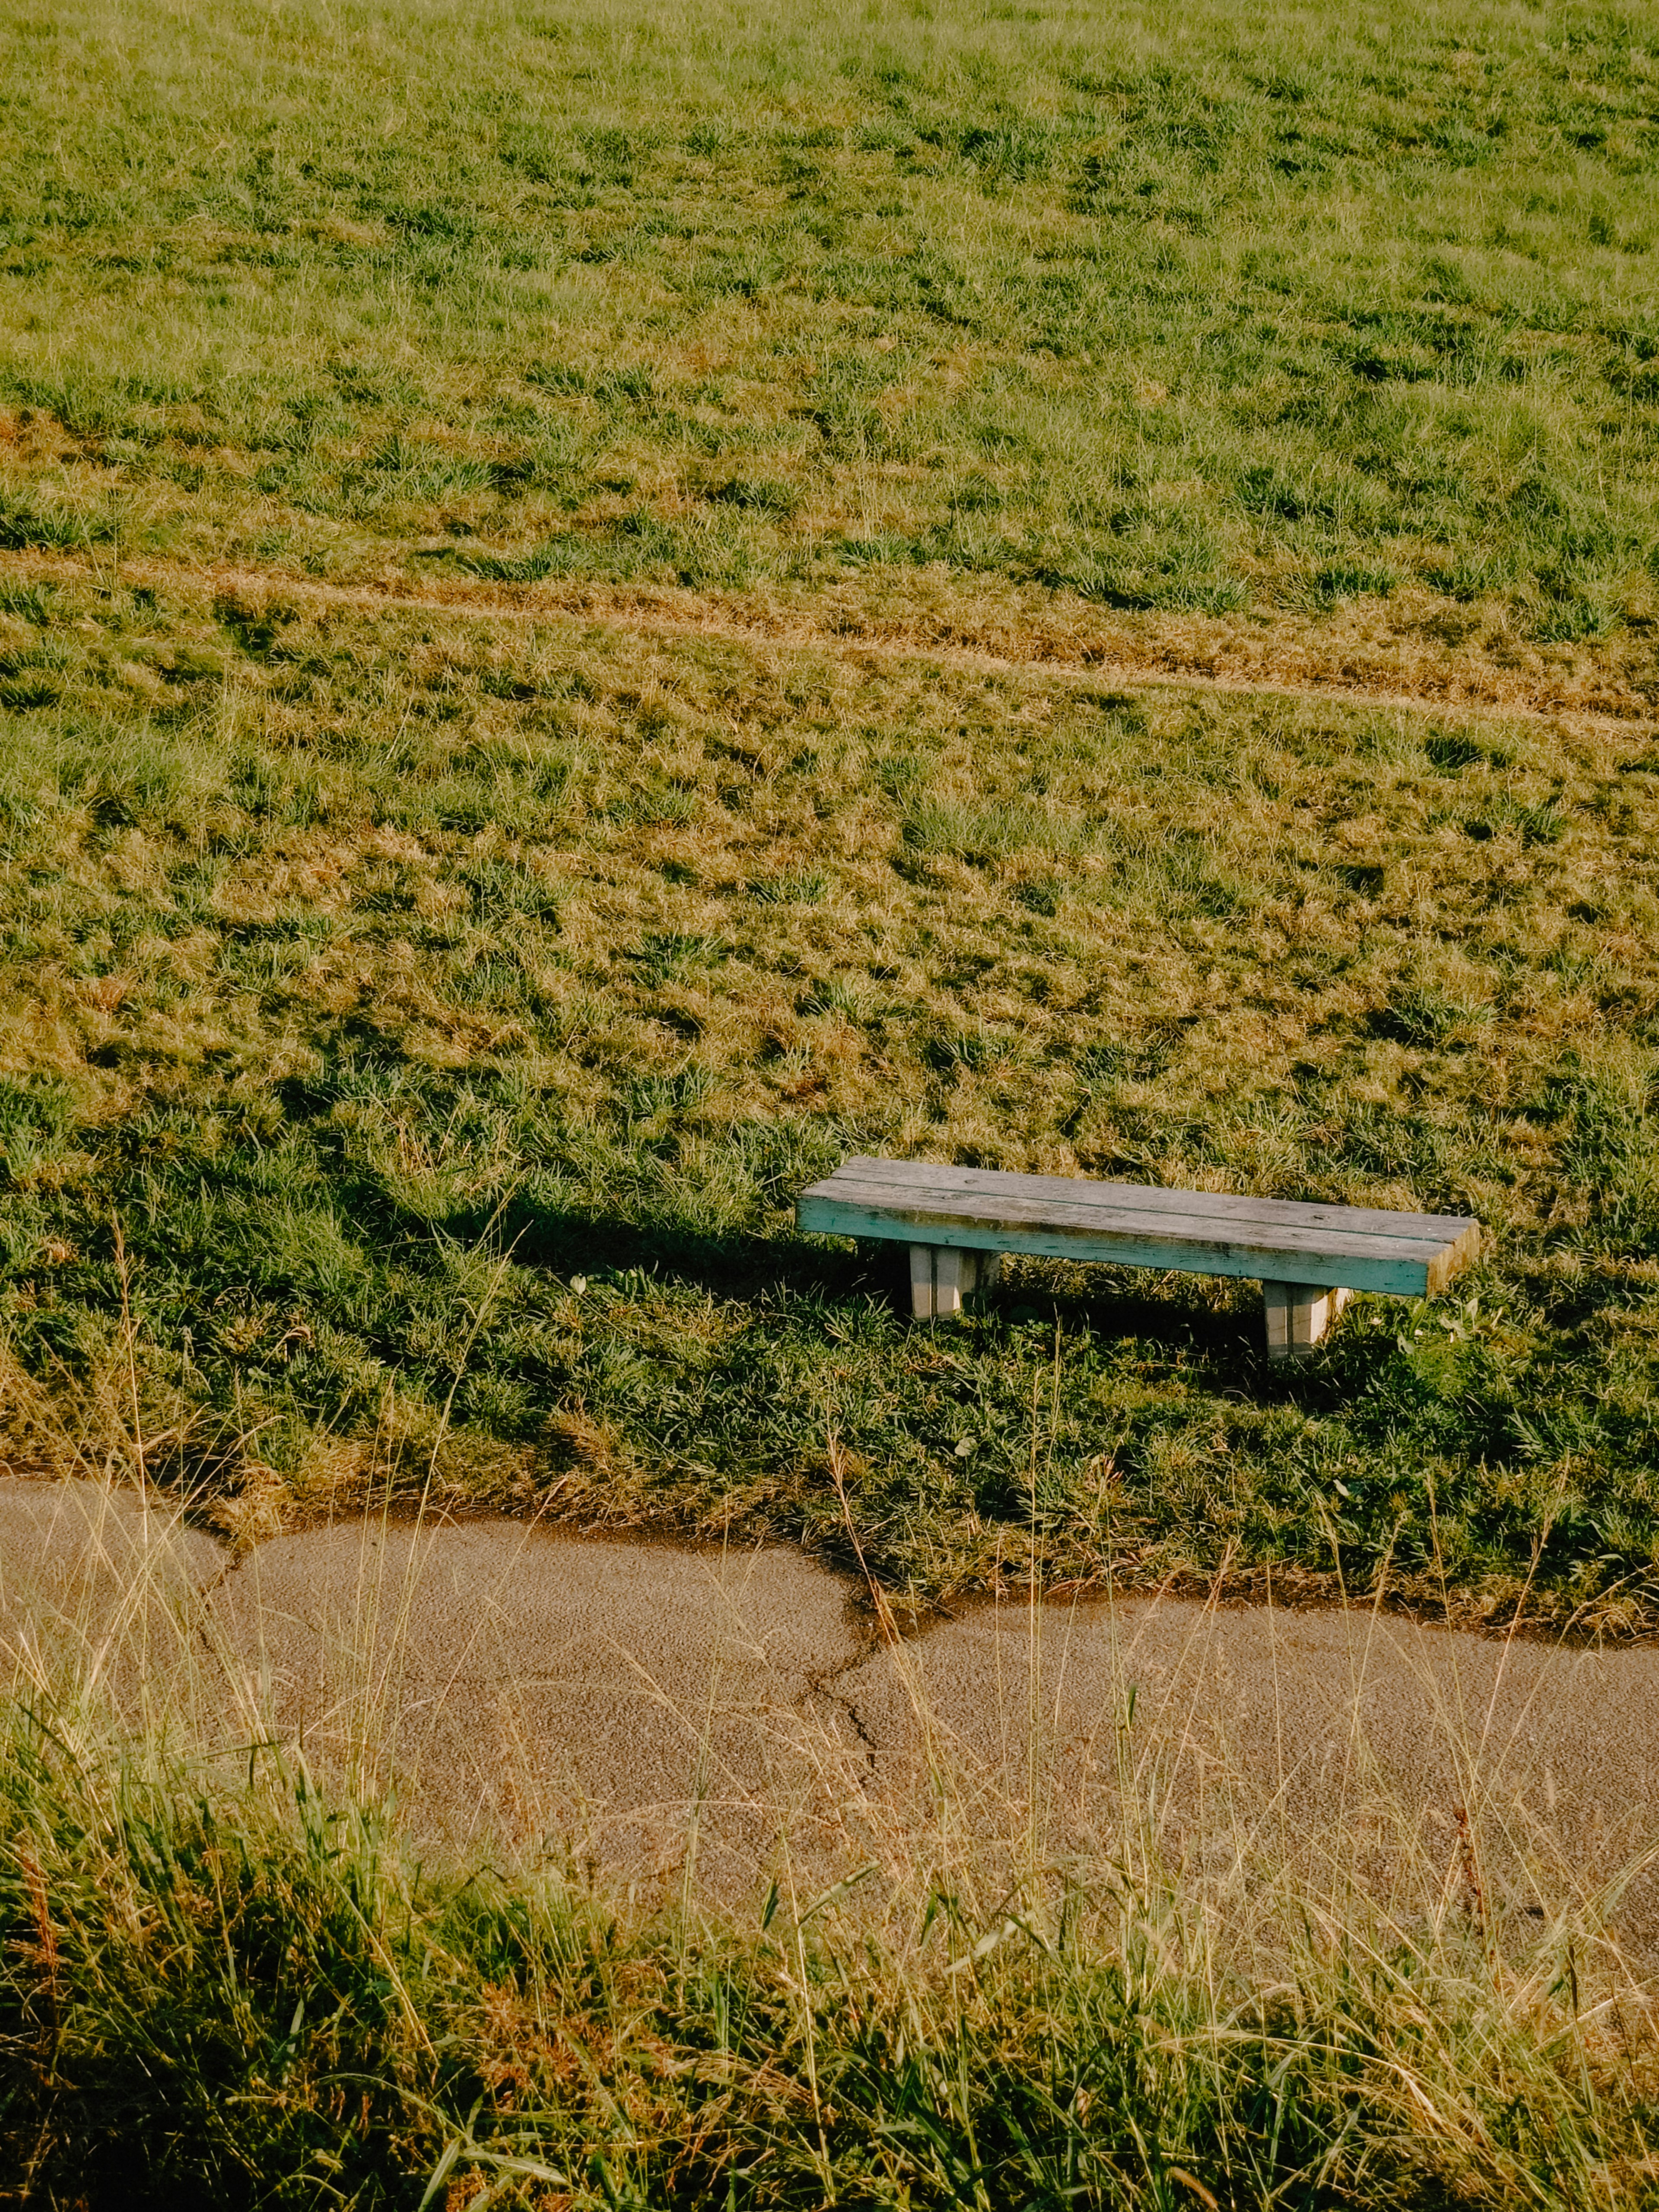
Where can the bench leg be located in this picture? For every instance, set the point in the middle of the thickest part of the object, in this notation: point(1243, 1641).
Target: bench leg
point(1299, 1314)
point(942, 1276)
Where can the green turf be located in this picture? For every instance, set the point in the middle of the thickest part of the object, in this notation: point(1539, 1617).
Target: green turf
point(1263, 311)
point(445, 1013)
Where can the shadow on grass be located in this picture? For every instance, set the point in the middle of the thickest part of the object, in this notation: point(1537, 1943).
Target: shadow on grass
point(730, 1263)
point(1174, 1322)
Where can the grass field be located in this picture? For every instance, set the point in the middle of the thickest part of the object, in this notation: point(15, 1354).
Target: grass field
point(419, 1018)
point(601, 605)
point(445, 1014)
point(1348, 315)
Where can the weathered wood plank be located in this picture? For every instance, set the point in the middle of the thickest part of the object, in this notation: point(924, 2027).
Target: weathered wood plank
point(1397, 1277)
point(1086, 1214)
point(1273, 1240)
point(1294, 1254)
point(985, 1183)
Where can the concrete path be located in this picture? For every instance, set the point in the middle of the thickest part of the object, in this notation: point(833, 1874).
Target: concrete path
point(620, 1703)
point(1334, 1747)
point(94, 1583)
point(660, 1713)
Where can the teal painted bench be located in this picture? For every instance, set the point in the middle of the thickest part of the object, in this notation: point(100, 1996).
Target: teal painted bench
point(1309, 1259)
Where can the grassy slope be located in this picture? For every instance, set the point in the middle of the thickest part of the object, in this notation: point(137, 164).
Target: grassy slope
point(1267, 315)
point(353, 954)
point(380, 975)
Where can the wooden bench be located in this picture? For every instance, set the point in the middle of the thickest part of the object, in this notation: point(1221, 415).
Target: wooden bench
point(1309, 1259)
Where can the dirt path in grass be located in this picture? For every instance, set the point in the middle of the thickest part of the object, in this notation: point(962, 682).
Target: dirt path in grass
point(634, 1704)
point(1391, 667)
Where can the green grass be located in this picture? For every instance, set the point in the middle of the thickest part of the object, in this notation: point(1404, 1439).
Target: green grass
point(224, 1986)
point(417, 1029)
point(1258, 313)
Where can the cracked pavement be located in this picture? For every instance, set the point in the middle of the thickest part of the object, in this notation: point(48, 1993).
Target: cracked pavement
point(652, 1712)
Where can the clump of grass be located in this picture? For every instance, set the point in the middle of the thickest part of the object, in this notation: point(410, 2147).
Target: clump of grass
point(979, 832)
point(273, 1994)
point(758, 495)
point(35, 604)
point(49, 524)
point(1344, 581)
point(806, 889)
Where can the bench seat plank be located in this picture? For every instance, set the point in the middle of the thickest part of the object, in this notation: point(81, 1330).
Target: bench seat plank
point(1152, 1198)
point(1199, 1232)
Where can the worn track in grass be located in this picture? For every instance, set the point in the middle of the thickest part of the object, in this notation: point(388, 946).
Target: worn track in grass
point(1455, 688)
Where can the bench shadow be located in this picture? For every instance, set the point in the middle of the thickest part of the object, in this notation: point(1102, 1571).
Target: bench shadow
point(732, 1263)
point(740, 1263)
point(1230, 1335)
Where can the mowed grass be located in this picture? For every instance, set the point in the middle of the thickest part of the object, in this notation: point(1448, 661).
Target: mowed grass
point(1232, 314)
point(417, 1028)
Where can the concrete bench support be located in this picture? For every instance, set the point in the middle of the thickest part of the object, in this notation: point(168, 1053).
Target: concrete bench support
point(1299, 1314)
point(942, 1276)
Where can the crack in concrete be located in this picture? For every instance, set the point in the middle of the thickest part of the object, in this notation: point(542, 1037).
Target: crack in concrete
point(821, 1683)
